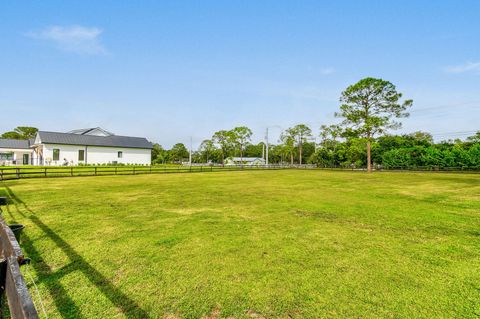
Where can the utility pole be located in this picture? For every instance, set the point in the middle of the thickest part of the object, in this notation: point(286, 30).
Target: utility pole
point(190, 156)
point(266, 144)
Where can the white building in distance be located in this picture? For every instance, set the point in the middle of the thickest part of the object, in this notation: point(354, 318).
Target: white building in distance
point(77, 147)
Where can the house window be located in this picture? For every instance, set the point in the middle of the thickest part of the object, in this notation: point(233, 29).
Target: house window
point(25, 159)
point(81, 155)
point(6, 156)
point(120, 154)
point(56, 154)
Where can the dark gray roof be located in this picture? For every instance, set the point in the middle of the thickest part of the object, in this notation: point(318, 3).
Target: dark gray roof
point(11, 143)
point(91, 140)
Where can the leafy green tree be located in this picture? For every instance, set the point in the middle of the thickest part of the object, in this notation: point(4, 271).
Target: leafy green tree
point(275, 154)
point(178, 153)
point(397, 158)
point(474, 156)
point(224, 141)
point(206, 150)
point(308, 149)
point(288, 143)
point(329, 136)
point(369, 107)
point(323, 157)
point(475, 138)
point(300, 133)
point(12, 135)
point(159, 155)
point(407, 141)
point(240, 136)
point(421, 138)
point(254, 150)
point(21, 133)
point(354, 152)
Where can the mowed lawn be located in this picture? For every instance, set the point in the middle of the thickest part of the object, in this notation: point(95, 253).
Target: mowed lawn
point(258, 244)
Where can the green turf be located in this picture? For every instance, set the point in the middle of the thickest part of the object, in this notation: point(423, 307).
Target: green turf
point(257, 244)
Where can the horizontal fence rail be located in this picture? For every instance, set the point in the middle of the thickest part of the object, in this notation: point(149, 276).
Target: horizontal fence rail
point(72, 171)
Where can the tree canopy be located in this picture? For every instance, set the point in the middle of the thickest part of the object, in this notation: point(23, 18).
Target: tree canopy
point(371, 107)
point(21, 133)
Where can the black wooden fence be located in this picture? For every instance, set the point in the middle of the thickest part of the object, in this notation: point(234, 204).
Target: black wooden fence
point(7, 173)
point(70, 171)
point(13, 288)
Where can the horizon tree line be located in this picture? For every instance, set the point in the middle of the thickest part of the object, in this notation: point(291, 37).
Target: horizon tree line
point(369, 110)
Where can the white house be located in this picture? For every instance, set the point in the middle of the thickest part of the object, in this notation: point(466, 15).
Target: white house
point(87, 146)
point(248, 161)
point(15, 152)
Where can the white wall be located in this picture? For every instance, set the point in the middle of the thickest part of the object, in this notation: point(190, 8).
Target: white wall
point(97, 155)
point(101, 155)
point(17, 156)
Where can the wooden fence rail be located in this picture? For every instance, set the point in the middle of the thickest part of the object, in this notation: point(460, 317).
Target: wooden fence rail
point(12, 284)
point(70, 171)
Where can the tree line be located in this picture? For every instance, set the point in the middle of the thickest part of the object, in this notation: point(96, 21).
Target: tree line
point(413, 150)
point(369, 110)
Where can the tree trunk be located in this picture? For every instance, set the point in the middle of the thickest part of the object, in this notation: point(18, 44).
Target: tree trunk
point(300, 153)
point(291, 158)
point(369, 156)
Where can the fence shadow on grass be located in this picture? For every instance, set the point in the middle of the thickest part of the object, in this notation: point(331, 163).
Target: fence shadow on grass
point(51, 278)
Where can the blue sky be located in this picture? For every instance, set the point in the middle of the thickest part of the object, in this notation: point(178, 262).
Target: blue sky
point(169, 70)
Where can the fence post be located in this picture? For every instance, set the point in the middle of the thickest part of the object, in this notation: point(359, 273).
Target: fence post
point(45, 172)
point(1, 174)
point(115, 170)
point(150, 169)
point(95, 171)
point(18, 173)
point(134, 170)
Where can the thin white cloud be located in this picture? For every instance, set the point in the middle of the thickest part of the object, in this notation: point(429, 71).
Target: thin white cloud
point(327, 71)
point(76, 38)
point(462, 68)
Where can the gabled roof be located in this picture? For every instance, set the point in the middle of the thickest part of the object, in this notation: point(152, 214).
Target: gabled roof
point(93, 140)
point(97, 131)
point(14, 144)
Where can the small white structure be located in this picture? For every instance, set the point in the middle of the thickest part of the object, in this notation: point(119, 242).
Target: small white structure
point(84, 146)
point(247, 161)
point(15, 152)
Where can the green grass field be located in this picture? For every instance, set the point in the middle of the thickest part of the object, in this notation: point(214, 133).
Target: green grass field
point(253, 244)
